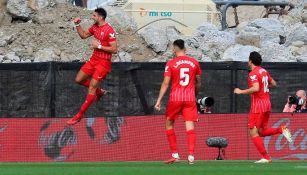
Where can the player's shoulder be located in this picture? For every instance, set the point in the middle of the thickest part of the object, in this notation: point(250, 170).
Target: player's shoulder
point(94, 26)
point(109, 27)
point(170, 61)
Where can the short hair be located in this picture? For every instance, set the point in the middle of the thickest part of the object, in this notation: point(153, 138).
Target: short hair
point(101, 12)
point(179, 43)
point(255, 58)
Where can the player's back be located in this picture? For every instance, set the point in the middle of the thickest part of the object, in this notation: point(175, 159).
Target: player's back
point(183, 71)
point(260, 101)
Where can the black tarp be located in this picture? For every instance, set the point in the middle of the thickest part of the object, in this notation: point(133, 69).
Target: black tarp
point(48, 89)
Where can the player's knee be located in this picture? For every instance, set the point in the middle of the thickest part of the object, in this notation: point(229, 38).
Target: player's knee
point(92, 89)
point(78, 80)
point(253, 132)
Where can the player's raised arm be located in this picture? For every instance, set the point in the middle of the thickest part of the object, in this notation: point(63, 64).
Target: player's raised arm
point(82, 33)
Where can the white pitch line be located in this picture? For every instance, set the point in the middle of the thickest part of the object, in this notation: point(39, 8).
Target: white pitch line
point(301, 167)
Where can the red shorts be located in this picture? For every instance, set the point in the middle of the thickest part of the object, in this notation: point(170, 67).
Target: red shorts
point(188, 110)
point(260, 120)
point(97, 68)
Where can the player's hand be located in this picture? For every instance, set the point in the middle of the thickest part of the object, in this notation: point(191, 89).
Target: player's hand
point(95, 43)
point(237, 91)
point(158, 106)
point(77, 21)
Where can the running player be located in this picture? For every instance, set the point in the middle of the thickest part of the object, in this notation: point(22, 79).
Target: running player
point(184, 72)
point(259, 82)
point(99, 65)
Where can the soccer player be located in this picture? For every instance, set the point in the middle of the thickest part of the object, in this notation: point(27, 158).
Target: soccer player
point(99, 65)
point(259, 82)
point(184, 72)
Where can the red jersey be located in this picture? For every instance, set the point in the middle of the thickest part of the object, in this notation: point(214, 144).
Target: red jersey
point(105, 34)
point(260, 101)
point(183, 71)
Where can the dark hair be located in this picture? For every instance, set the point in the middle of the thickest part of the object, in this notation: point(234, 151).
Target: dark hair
point(101, 12)
point(179, 43)
point(255, 58)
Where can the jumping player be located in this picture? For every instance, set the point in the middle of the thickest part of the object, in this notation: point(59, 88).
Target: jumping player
point(184, 72)
point(99, 65)
point(259, 82)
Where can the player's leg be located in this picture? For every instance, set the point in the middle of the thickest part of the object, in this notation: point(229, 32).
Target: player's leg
point(83, 75)
point(254, 124)
point(190, 116)
point(265, 131)
point(94, 84)
point(90, 96)
point(172, 110)
point(191, 140)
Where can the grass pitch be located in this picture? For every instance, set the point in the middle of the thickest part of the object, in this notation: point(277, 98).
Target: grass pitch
point(156, 168)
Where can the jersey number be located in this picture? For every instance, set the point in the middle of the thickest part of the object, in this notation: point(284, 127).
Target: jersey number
point(184, 76)
point(265, 81)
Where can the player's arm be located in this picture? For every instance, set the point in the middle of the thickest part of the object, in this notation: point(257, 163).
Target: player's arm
point(255, 88)
point(163, 89)
point(111, 49)
point(272, 83)
point(197, 84)
point(82, 33)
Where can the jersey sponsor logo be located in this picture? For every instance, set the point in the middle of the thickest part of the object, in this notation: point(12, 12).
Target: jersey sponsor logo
point(253, 77)
point(112, 35)
point(166, 69)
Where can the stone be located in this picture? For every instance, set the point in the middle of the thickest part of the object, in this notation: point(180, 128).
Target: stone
point(248, 38)
point(274, 52)
point(67, 57)
point(120, 20)
point(213, 42)
point(155, 38)
point(298, 43)
point(45, 55)
point(1, 58)
point(297, 32)
point(6, 39)
point(269, 29)
point(195, 53)
point(123, 57)
point(43, 17)
point(19, 9)
point(172, 34)
point(5, 18)
point(239, 53)
point(12, 57)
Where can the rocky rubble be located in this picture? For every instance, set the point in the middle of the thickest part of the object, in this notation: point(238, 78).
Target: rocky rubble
point(41, 30)
point(44, 32)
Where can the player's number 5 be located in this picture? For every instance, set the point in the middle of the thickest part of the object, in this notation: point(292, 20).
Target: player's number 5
point(184, 76)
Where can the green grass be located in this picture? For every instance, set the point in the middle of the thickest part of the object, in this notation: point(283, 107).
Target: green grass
point(156, 168)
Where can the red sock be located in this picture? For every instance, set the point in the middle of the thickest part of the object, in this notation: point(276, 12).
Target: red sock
point(89, 100)
point(258, 142)
point(87, 82)
point(171, 137)
point(191, 141)
point(270, 131)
